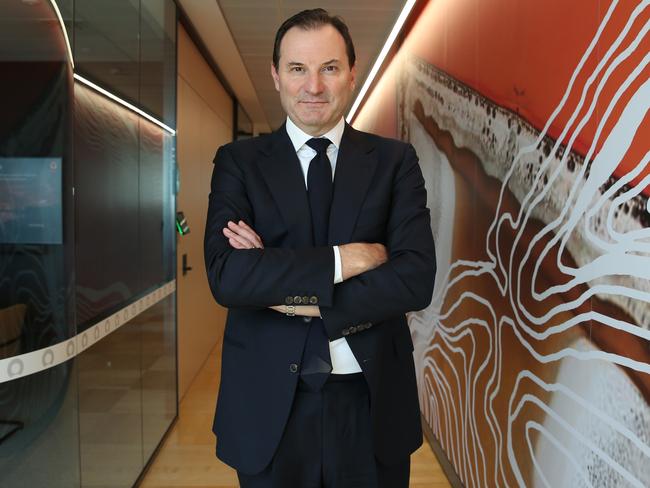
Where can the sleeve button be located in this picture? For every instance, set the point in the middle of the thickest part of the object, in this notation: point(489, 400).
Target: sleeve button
point(305, 300)
point(297, 300)
point(288, 300)
point(313, 300)
point(345, 332)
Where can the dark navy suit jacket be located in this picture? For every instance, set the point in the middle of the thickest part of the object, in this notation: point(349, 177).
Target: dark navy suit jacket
point(379, 196)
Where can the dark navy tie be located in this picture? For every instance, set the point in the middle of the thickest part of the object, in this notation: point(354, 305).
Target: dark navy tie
point(317, 364)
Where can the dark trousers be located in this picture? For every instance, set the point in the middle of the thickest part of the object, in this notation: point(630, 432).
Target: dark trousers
point(327, 443)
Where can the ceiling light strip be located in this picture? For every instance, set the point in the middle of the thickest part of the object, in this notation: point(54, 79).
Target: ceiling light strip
point(406, 10)
point(98, 88)
point(124, 103)
point(29, 363)
point(65, 31)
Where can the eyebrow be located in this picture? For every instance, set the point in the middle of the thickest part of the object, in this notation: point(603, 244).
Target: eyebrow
point(296, 63)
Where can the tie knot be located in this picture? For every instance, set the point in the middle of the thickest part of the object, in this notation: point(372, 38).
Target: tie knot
point(319, 144)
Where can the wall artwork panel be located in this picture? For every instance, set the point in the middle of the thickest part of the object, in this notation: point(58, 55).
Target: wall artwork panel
point(531, 123)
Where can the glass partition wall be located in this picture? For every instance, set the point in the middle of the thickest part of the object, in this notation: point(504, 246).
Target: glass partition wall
point(87, 244)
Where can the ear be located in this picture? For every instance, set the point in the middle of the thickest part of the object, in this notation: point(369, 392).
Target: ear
point(353, 77)
point(276, 77)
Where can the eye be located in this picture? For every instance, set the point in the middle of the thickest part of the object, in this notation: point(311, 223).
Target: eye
point(297, 69)
point(331, 68)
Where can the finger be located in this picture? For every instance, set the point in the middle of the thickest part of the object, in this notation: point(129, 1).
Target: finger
point(241, 240)
point(249, 235)
point(235, 244)
point(246, 226)
point(256, 237)
point(242, 243)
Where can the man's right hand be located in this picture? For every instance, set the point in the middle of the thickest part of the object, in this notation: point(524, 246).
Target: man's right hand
point(359, 257)
point(242, 236)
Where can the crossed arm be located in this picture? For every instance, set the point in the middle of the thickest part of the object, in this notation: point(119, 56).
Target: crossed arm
point(356, 258)
point(379, 282)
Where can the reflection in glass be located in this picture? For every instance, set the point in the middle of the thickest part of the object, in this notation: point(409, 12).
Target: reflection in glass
point(35, 171)
point(106, 174)
point(159, 401)
point(127, 396)
point(126, 389)
point(31, 201)
point(110, 409)
point(66, 7)
point(38, 413)
point(156, 234)
point(39, 438)
point(158, 59)
point(107, 48)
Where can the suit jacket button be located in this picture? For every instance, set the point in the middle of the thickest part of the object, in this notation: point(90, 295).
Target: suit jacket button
point(293, 367)
point(288, 300)
point(297, 300)
point(306, 319)
point(313, 300)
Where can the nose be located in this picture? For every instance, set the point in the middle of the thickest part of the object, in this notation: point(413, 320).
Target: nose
point(314, 84)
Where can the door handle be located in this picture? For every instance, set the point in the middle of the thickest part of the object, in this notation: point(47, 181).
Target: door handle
point(186, 268)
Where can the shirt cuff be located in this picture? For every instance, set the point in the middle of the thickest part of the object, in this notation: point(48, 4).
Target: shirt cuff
point(338, 272)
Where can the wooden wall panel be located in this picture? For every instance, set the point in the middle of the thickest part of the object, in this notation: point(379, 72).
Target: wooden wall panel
point(205, 114)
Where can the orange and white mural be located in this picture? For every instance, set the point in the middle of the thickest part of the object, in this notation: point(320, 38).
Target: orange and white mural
point(531, 123)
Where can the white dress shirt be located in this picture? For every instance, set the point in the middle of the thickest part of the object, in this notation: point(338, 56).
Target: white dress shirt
point(343, 361)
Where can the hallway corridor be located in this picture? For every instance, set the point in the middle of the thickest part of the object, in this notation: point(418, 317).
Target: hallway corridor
point(186, 458)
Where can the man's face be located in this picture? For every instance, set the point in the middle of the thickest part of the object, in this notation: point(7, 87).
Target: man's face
point(314, 78)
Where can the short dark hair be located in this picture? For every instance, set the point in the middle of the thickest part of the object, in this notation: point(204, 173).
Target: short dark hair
point(313, 19)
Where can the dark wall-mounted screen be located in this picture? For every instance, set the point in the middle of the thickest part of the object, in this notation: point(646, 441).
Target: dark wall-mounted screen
point(30, 201)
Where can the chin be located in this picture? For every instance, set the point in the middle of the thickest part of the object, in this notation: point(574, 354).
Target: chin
point(313, 121)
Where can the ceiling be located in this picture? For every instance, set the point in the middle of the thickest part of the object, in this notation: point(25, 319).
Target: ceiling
point(252, 25)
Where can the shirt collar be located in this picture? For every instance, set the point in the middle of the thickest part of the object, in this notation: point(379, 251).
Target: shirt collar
point(299, 137)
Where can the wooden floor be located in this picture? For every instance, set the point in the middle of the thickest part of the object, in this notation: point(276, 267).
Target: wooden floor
point(187, 457)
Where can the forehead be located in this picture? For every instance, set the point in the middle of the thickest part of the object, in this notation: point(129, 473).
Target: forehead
point(312, 45)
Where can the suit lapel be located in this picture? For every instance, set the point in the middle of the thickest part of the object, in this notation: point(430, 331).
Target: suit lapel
point(355, 167)
point(280, 168)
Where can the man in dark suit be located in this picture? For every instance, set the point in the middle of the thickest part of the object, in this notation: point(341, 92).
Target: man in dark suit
point(318, 240)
